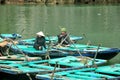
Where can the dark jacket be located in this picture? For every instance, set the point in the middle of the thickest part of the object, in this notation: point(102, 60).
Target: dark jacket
point(64, 39)
point(40, 42)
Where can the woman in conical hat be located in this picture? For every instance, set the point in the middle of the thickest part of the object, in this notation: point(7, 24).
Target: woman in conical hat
point(40, 41)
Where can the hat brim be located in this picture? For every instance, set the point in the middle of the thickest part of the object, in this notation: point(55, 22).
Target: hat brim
point(40, 33)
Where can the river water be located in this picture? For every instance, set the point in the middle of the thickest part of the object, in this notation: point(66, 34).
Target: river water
point(100, 23)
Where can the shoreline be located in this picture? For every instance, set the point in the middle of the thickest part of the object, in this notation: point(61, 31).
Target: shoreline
point(57, 2)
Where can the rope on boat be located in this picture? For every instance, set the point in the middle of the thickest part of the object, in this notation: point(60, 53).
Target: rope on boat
point(54, 71)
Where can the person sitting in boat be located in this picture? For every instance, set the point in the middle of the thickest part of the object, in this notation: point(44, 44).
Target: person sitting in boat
point(3, 47)
point(40, 41)
point(63, 38)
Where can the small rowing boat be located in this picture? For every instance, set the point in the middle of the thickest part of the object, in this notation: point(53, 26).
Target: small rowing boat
point(46, 66)
point(19, 57)
point(81, 74)
point(89, 50)
point(11, 36)
point(71, 50)
point(31, 51)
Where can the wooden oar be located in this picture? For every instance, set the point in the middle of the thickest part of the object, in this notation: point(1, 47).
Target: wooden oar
point(93, 62)
point(19, 49)
point(77, 49)
point(64, 39)
point(48, 49)
point(54, 71)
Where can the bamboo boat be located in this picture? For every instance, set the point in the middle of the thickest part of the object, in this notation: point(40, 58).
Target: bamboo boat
point(47, 66)
point(90, 51)
point(98, 73)
point(11, 36)
point(71, 50)
point(31, 51)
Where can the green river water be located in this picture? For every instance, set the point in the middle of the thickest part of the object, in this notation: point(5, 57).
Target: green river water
point(100, 23)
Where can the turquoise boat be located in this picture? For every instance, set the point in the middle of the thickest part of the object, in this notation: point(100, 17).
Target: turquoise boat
point(31, 51)
point(19, 57)
point(71, 50)
point(53, 39)
point(11, 36)
point(75, 62)
point(47, 66)
point(90, 51)
point(82, 74)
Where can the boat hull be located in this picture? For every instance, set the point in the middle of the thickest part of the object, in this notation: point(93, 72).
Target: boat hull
point(11, 36)
point(81, 50)
point(90, 51)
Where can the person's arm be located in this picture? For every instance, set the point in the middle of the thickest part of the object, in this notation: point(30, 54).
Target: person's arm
point(44, 43)
point(59, 38)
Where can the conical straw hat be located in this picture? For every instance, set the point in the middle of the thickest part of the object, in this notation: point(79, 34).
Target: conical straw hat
point(40, 33)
